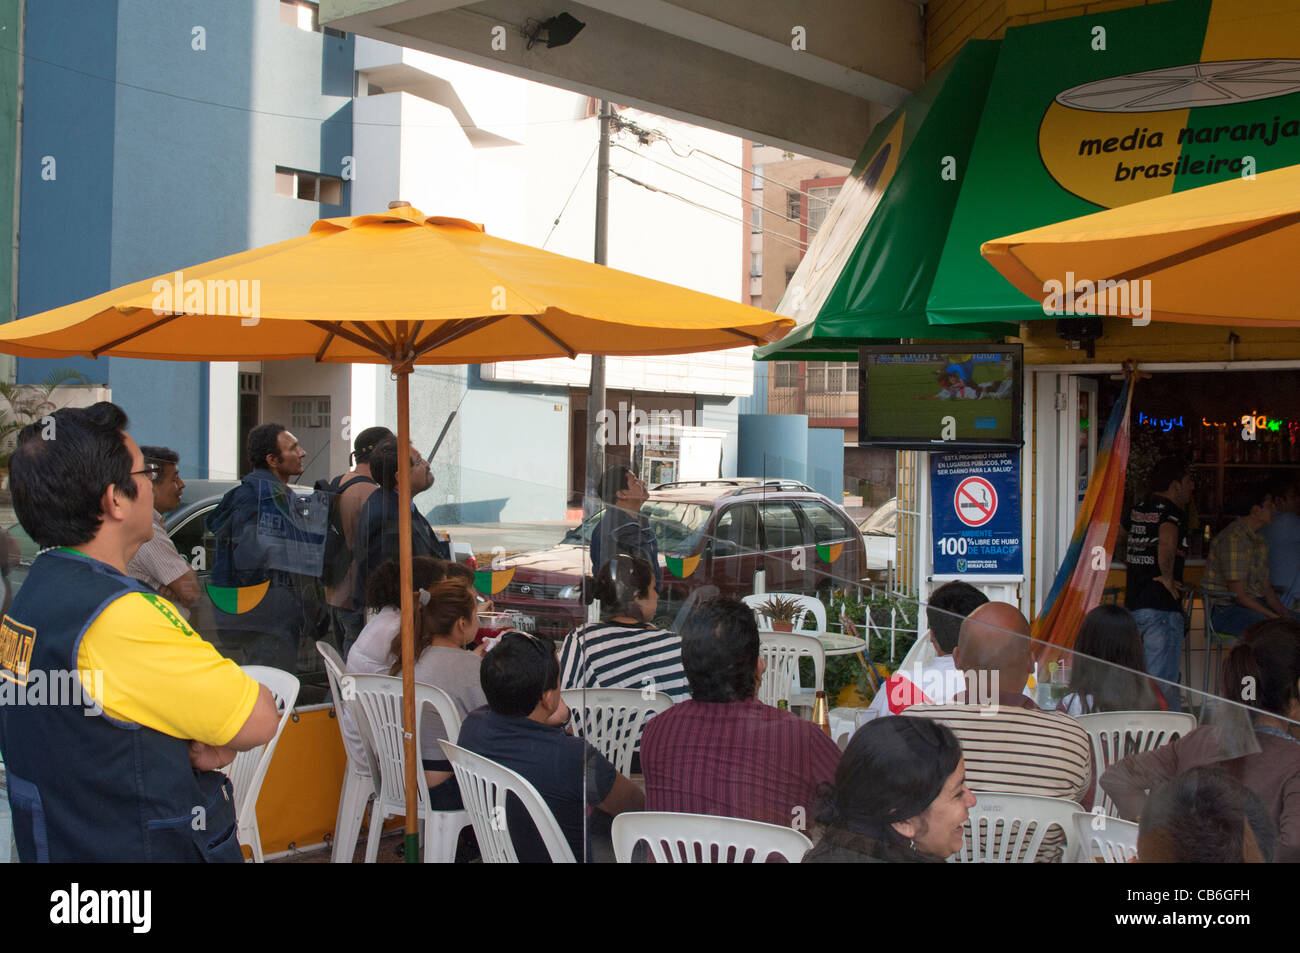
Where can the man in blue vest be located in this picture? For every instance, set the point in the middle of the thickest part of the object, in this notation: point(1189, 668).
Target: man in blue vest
point(260, 544)
point(114, 713)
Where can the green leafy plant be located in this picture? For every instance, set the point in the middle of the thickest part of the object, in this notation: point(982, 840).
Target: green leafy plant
point(780, 609)
point(888, 613)
point(22, 404)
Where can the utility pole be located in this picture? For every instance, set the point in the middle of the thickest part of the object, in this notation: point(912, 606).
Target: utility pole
point(596, 392)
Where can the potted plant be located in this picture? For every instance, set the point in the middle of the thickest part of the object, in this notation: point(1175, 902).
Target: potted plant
point(22, 404)
point(780, 612)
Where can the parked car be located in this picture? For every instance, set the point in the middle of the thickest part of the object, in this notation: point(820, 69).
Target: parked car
point(729, 529)
point(880, 534)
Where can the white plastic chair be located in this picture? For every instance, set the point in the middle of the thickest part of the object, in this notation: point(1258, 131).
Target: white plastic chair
point(781, 651)
point(248, 770)
point(692, 838)
point(484, 785)
point(1117, 734)
point(1107, 841)
point(1009, 828)
point(610, 719)
point(379, 698)
point(807, 604)
point(358, 784)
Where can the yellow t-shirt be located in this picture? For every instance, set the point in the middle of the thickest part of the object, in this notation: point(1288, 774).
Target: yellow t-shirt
point(160, 673)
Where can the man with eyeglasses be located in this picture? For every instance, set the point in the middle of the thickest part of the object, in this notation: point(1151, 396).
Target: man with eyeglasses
point(120, 761)
point(157, 563)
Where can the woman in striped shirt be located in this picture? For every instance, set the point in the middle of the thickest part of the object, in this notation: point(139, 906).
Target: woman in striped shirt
point(625, 649)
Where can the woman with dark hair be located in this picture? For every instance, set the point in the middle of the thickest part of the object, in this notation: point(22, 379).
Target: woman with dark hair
point(445, 626)
point(625, 649)
point(1109, 667)
point(370, 654)
point(1261, 673)
point(899, 796)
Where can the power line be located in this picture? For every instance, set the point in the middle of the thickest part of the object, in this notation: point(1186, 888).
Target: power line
point(331, 120)
point(731, 218)
point(727, 192)
point(581, 175)
point(647, 135)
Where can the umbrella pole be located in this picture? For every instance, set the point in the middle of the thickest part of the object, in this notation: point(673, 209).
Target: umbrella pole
point(409, 755)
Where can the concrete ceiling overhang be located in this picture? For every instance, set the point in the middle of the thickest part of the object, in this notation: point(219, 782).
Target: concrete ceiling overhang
point(730, 65)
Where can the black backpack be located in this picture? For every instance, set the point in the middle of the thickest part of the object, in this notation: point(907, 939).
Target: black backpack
point(338, 557)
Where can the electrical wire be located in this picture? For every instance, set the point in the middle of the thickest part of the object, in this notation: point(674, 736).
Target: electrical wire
point(648, 135)
point(573, 191)
point(793, 243)
point(727, 192)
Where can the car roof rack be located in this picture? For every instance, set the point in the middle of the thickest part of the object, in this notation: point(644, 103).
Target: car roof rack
point(740, 484)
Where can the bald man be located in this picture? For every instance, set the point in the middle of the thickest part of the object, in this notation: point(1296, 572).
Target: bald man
point(1010, 744)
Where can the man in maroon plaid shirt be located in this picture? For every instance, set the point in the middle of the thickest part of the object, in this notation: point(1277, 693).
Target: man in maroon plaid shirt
point(724, 752)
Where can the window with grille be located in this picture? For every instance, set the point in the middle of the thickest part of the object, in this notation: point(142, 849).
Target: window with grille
point(793, 205)
point(756, 219)
point(832, 377)
point(820, 201)
point(786, 374)
point(306, 413)
point(755, 264)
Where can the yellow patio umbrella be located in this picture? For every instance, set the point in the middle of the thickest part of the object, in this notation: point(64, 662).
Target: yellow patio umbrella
point(1220, 254)
point(402, 289)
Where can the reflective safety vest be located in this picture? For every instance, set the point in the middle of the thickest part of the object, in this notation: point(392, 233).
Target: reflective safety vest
point(84, 786)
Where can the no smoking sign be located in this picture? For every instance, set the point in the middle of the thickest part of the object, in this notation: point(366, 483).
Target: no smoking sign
point(976, 501)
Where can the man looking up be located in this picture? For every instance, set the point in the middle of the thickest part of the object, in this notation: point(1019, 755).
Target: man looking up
point(244, 543)
point(1157, 546)
point(939, 682)
point(124, 776)
point(157, 563)
point(378, 537)
point(622, 529)
point(724, 752)
point(352, 489)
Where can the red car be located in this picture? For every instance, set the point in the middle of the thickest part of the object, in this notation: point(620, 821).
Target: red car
point(714, 533)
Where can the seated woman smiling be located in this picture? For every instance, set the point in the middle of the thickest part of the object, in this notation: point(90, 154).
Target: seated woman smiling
point(899, 796)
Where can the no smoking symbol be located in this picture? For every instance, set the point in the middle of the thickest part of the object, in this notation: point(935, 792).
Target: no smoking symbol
point(976, 501)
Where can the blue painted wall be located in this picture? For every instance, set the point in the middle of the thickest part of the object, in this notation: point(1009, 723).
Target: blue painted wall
point(65, 223)
point(171, 151)
point(826, 462)
point(514, 462)
point(773, 445)
point(757, 402)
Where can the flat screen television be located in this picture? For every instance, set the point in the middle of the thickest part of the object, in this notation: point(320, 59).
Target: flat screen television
point(921, 397)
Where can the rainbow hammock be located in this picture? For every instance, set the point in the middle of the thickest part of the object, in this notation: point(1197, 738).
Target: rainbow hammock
point(1080, 581)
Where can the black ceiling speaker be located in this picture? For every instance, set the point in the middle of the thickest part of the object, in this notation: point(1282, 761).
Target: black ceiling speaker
point(1080, 332)
point(558, 30)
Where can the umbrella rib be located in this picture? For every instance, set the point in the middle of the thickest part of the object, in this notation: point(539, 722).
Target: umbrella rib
point(756, 341)
point(329, 337)
point(95, 352)
point(444, 336)
point(385, 346)
point(554, 340)
point(1216, 244)
point(357, 339)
